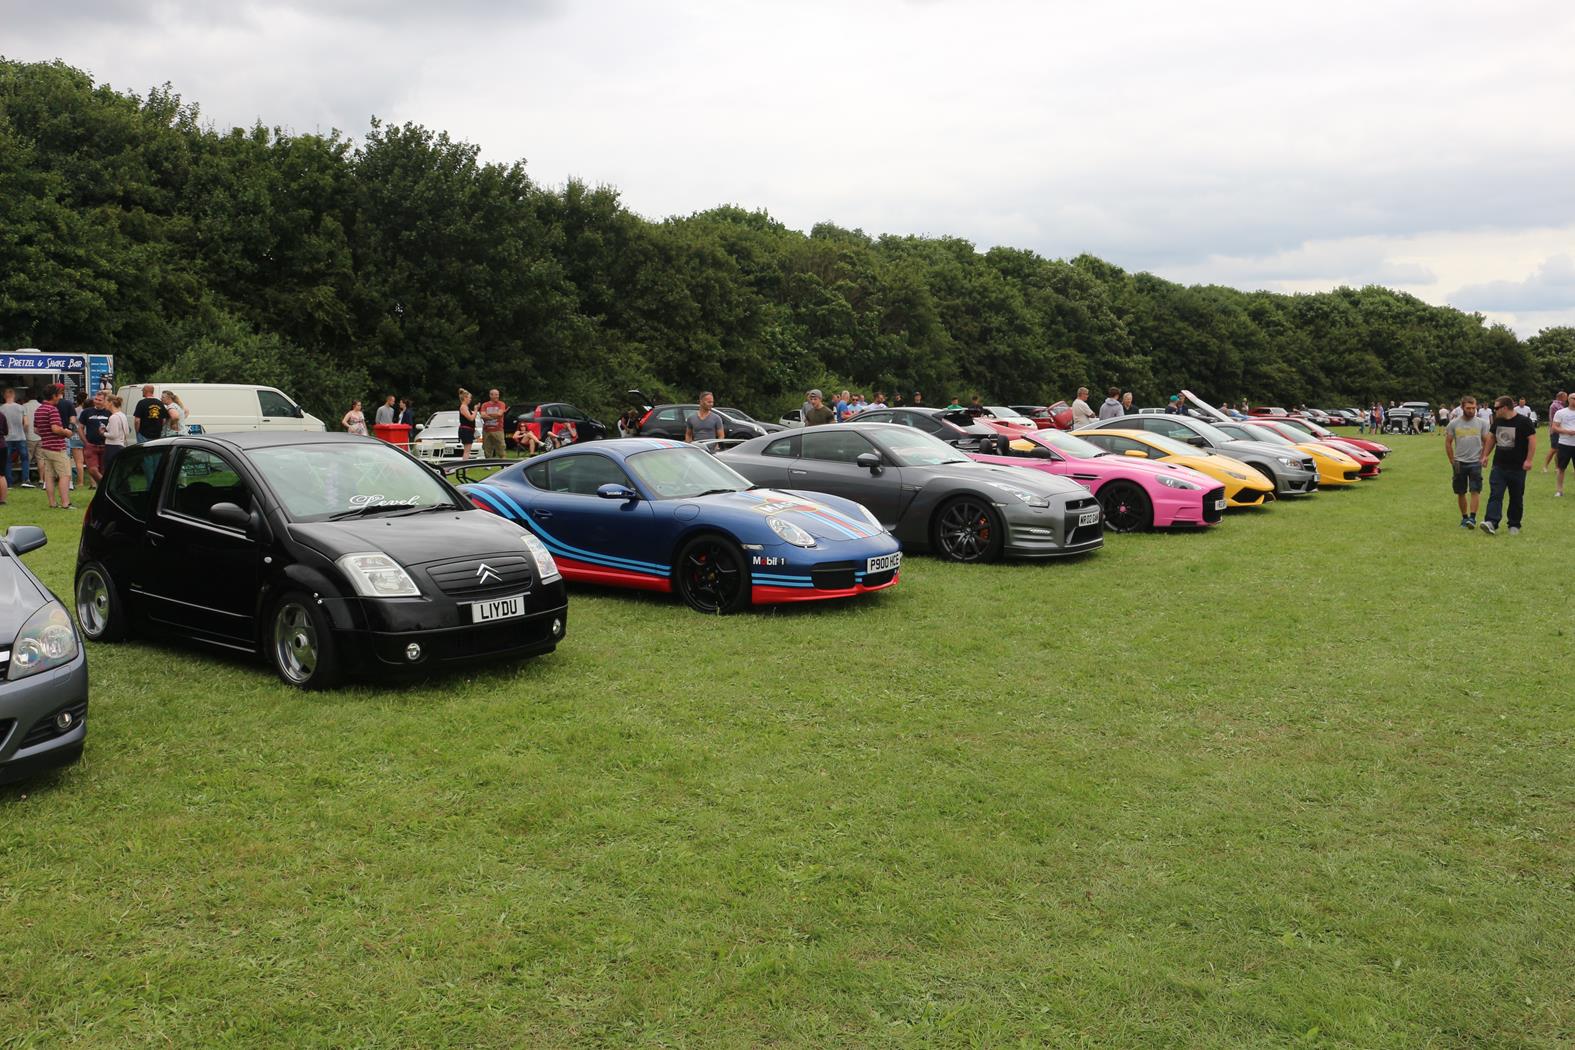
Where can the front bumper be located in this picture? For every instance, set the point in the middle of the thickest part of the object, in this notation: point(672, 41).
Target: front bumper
point(1295, 483)
point(1053, 532)
point(375, 636)
point(27, 712)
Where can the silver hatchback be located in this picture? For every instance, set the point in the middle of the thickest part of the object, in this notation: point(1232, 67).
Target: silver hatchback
point(43, 669)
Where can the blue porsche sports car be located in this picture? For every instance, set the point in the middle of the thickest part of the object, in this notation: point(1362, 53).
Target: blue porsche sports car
point(662, 516)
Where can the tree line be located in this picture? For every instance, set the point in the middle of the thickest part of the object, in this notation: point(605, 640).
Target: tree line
point(401, 263)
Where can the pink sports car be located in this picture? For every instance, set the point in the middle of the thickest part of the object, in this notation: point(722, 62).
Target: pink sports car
point(1135, 493)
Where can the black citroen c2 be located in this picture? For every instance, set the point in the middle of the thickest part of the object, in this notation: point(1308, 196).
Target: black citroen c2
point(328, 554)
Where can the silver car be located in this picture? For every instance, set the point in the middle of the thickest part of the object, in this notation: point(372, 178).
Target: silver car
point(439, 438)
point(1293, 473)
point(43, 669)
point(928, 494)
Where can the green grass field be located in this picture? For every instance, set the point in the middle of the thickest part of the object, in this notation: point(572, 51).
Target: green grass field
point(1305, 779)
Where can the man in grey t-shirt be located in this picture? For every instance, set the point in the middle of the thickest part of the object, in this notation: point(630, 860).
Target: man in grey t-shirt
point(706, 423)
point(1464, 444)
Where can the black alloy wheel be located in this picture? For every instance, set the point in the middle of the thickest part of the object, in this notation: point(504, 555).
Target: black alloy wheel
point(711, 576)
point(1127, 507)
point(968, 529)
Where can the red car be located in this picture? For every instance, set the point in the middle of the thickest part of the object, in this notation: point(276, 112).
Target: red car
point(1058, 415)
point(1329, 437)
point(1266, 410)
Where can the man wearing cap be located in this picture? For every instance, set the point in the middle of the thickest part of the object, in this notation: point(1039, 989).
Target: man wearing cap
point(1174, 408)
point(816, 414)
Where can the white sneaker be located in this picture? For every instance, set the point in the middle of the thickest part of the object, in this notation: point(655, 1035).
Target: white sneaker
point(1556, 495)
point(1514, 530)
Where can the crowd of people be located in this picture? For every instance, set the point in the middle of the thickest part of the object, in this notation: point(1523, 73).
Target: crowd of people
point(71, 446)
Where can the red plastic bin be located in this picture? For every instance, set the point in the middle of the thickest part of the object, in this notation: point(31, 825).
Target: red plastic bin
point(393, 433)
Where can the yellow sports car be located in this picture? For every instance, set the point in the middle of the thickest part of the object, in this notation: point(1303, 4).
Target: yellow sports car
point(1244, 486)
point(1334, 467)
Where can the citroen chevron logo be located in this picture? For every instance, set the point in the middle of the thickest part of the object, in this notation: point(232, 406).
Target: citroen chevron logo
point(487, 574)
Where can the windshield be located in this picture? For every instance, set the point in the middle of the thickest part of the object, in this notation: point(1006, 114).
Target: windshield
point(914, 448)
point(1066, 444)
point(1307, 426)
point(317, 482)
point(1172, 447)
point(738, 413)
point(443, 419)
point(1273, 437)
point(683, 473)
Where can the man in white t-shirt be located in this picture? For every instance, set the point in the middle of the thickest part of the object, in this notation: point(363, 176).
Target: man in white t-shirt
point(1082, 415)
point(1563, 424)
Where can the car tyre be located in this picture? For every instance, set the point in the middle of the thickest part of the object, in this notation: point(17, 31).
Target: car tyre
point(967, 529)
point(711, 575)
point(100, 611)
point(1127, 507)
point(300, 643)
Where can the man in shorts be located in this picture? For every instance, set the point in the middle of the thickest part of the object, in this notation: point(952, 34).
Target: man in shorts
point(1561, 436)
point(493, 411)
point(1465, 445)
point(1558, 404)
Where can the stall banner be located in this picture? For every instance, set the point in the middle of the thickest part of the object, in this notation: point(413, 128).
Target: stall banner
point(35, 362)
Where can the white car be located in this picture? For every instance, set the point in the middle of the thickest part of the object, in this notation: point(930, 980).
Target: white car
point(438, 438)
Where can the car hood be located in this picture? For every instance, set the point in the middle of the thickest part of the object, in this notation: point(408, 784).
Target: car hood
point(829, 520)
point(1019, 477)
point(20, 598)
point(1261, 448)
point(413, 539)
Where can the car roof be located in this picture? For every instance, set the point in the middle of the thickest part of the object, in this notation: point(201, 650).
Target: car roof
point(245, 440)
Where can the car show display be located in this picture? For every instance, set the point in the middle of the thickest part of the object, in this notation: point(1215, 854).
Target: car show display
point(654, 514)
point(326, 554)
point(1293, 473)
point(43, 668)
point(1244, 487)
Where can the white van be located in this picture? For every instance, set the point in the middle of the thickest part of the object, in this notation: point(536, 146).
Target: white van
point(222, 408)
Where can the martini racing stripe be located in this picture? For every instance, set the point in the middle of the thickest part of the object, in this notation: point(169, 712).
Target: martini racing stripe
point(507, 508)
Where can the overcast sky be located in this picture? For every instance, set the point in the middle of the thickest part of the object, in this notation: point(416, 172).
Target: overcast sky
point(1425, 146)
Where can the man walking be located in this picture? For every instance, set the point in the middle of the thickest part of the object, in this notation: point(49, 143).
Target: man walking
point(493, 411)
point(1561, 439)
point(93, 419)
point(1559, 403)
point(1111, 409)
point(1514, 445)
point(1082, 415)
point(706, 423)
point(385, 411)
point(816, 413)
point(15, 438)
point(54, 465)
point(1465, 446)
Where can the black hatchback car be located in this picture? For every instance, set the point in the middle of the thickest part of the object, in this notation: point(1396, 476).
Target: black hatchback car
point(328, 554)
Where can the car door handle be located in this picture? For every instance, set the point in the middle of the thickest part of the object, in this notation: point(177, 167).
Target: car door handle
point(154, 538)
point(542, 515)
point(795, 472)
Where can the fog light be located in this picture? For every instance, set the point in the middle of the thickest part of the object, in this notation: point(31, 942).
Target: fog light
point(412, 651)
point(557, 628)
point(64, 721)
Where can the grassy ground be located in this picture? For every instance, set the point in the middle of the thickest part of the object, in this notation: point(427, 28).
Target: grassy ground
point(1305, 779)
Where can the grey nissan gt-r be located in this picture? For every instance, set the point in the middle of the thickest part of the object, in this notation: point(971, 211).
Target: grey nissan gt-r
point(928, 494)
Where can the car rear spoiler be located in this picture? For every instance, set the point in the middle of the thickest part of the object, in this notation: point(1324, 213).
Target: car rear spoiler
point(459, 469)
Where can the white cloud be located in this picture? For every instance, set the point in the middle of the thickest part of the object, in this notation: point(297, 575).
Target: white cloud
point(1228, 140)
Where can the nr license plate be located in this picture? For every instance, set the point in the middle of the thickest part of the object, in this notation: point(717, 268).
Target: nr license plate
point(1219, 504)
point(497, 609)
point(1088, 517)
point(882, 562)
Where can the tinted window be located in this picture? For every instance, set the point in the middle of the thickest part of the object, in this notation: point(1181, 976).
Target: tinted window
point(203, 479)
point(670, 415)
point(1113, 443)
point(131, 479)
point(274, 404)
point(582, 475)
point(536, 474)
point(882, 416)
point(786, 447)
point(842, 446)
point(928, 424)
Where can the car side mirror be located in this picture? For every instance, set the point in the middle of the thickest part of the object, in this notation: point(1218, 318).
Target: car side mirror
point(230, 516)
point(1197, 441)
point(297, 412)
point(420, 427)
point(1138, 453)
point(869, 461)
point(613, 490)
point(25, 538)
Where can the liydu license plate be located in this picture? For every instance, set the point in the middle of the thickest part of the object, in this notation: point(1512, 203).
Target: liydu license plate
point(497, 609)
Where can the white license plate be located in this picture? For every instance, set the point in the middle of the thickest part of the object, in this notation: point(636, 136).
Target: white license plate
point(1088, 517)
point(882, 562)
point(497, 609)
point(1219, 504)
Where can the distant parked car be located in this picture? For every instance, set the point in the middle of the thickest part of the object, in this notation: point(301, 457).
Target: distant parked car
point(43, 669)
point(793, 417)
point(1267, 410)
point(667, 421)
point(957, 429)
point(222, 408)
point(1058, 415)
point(548, 415)
point(438, 438)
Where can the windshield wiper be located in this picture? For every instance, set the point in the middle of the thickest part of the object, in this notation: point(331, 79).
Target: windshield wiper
point(711, 492)
point(367, 511)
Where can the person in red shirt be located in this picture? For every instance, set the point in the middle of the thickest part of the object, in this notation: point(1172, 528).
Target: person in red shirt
point(493, 412)
point(54, 461)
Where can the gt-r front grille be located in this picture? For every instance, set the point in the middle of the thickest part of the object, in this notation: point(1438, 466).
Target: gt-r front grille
point(833, 575)
point(1211, 502)
point(1082, 504)
point(1084, 534)
point(45, 729)
point(490, 576)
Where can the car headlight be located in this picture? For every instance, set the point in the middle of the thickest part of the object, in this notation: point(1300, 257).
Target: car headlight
point(1178, 483)
point(374, 574)
point(1027, 497)
point(1286, 461)
point(791, 532)
point(46, 640)
point(546, 565)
